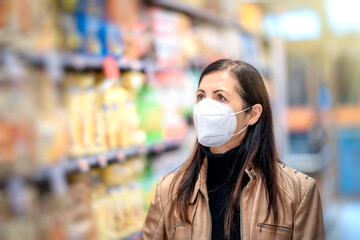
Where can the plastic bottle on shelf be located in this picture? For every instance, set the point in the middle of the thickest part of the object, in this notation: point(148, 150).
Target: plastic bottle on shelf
point(120, 110)
point(17, 127)
point(150, 110)
point(52, 139)
point(73, 103)
point(88, 110)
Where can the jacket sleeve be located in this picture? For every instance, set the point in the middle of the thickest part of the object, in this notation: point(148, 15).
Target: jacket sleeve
point(153, 227)
point(308, 218)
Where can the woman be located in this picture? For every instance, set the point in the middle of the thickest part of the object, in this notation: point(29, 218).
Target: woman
point(234, 186)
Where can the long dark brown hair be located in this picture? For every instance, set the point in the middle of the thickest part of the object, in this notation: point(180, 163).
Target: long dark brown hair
point(258, 148)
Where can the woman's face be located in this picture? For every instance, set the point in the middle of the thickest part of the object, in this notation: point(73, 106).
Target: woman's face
point(222, 86)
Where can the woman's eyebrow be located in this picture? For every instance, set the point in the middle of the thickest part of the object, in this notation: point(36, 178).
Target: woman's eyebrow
point(220, 90)
point(216, 91)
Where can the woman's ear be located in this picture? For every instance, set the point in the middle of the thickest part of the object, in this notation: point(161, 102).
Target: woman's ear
point(255, 114)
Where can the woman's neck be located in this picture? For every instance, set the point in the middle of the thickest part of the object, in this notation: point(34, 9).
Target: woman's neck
point(224, 148)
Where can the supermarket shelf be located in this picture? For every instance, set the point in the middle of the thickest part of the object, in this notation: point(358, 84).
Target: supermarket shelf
point(135, 236)
point(79, 62)
point(101, 160)
point(200, 14)
point(84, 164)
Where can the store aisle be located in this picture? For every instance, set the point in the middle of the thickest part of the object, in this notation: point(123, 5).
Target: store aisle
point(169, 161)
point(343, 220)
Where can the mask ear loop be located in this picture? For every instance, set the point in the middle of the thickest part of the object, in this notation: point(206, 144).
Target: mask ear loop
point(241, 130)
point(242, 110)
point(246, 125)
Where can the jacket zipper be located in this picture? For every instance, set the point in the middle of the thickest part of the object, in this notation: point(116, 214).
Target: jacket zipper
point(241, 231)
point(261, 225)
point(177, 224)
point(207, 202)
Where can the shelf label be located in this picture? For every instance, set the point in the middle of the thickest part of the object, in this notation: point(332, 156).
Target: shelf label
point(77, 61)
point(102, 161)
point(83, 165)
point(120, 156)
point(142, 150)
point(135, 65)
point(159, 147)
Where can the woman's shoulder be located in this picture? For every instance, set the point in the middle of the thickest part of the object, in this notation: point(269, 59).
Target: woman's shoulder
point(166, 187)
point(167, 180)
point(294, 183)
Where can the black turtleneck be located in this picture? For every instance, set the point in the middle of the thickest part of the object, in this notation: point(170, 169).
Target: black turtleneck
point(219, 189)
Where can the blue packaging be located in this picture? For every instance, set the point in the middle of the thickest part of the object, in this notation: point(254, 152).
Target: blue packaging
point(111, 40)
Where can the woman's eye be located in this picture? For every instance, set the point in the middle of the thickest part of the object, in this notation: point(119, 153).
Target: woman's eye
point(200, 97)
point(221, 98)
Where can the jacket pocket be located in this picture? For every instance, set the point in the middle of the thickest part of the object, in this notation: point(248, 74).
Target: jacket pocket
point(273, 227)
point(176, 225)
point(270, 231)
point(181, 231)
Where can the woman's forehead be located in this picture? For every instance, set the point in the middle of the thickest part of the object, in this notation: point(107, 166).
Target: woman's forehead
point(219, 80)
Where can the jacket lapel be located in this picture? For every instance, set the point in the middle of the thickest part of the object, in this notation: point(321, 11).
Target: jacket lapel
point(201, 182)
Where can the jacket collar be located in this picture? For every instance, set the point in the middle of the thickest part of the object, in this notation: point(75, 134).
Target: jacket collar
point(200, 184)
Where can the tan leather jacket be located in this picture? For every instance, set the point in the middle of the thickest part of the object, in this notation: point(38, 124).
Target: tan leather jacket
point(299, 218)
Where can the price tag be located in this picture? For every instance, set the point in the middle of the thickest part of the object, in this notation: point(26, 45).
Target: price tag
point(135, 65)
point(102, 161)
point(77, 61)
point(142, 150)
point(83, 165)
point(159, 147)
point(120, 156)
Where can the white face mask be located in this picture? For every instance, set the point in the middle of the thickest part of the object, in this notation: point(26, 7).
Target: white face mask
point(215, 122)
